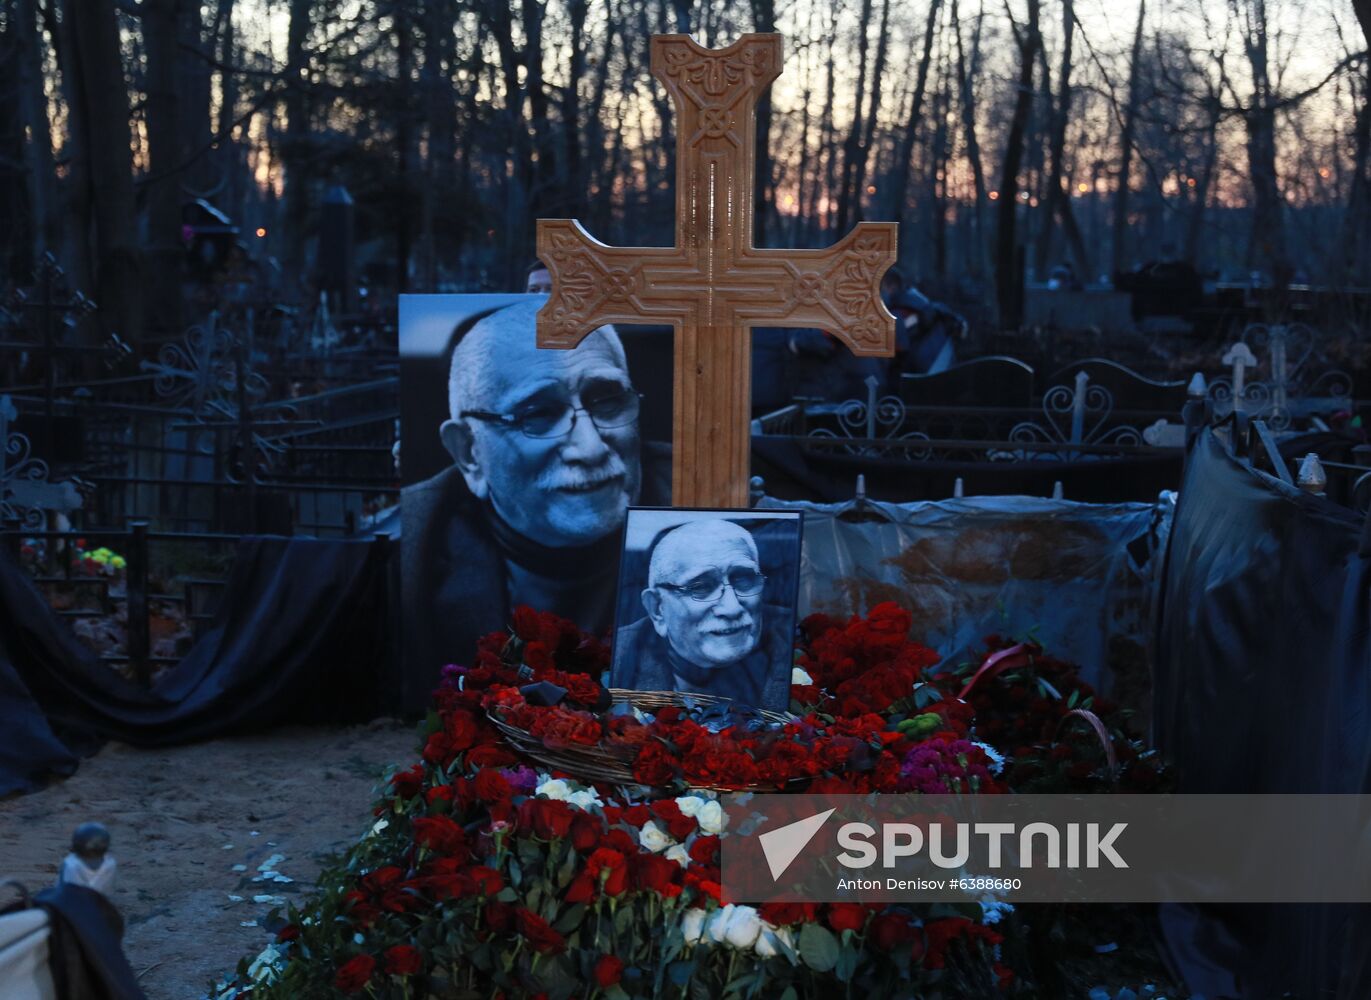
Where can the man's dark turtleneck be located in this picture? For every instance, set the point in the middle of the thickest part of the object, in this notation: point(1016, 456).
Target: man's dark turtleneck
point(575, 582)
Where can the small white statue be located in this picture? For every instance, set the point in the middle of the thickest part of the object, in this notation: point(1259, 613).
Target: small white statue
point(89, 864)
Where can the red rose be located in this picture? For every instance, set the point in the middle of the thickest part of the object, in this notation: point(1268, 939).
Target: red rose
point(441, 834)
point(403, 960)
point(621, 841)
point(608, 971)
point(492, 786)
point(546, 819)
point(354, 976)
point(408, 783)
point(539, 933)
point(288, 933)
point(654, 872)
point(609, 865)
point(637, 815)
point(846, 917)
point(486, 881)
point(890, 930)
point(499, 916)
point(582, 888)
point(705, 851)
point(781, 914)
point(586, 831)
point(678, 824)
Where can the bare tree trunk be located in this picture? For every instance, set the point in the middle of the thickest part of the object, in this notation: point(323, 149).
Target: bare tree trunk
point(829, 132)
point(230, 153)
point(94, 61)
point(763, 183)
point(1356, 240)
point(407, 143)
point(74, 188)
point(441, 112)
point(899, 187)
point(166, 167)
point(873, 114)
point(1060, 116)
point(42, 172)
point(193, 101)
point(967, 99)
point(519, 176)
point(1119, 256)
point(1266, 248)
point(1195, 228)
point(852, 144)
point(1008, 283)
point(573, 183)
point(295, 150)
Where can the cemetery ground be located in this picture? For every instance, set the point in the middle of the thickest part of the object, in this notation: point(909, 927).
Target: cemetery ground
point(192, 825)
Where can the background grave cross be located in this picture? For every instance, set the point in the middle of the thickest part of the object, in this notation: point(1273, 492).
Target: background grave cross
point(713, 285)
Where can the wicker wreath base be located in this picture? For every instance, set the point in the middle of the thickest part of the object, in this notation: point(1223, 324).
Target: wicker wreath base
point(614, 764)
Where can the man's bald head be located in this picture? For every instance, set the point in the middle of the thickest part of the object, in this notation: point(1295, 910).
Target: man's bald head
point(502, 343)
point(681, 547)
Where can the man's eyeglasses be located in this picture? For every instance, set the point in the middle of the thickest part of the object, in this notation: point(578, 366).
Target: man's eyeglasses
point(710, 587)
point(554, 419)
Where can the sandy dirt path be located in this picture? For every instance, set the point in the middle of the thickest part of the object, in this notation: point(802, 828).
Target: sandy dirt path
point(182, 818)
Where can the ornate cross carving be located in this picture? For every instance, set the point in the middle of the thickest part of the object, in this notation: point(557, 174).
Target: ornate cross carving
point(713, 285)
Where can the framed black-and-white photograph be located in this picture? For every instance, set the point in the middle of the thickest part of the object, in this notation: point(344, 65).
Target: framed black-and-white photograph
point(707, 603)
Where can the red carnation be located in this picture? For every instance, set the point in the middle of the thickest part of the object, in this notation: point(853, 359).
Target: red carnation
point(608, 971)
point(781, 914)
point(403, 960)
point(846, 917)
point(890, 930)
point(654, 872)
point(354, 976)
point(610, 866)
point(654, 766)
point(705, 851)
point(539, 933)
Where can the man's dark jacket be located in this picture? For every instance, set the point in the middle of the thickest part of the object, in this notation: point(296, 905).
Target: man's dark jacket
point(453, 587)
point(642, 663)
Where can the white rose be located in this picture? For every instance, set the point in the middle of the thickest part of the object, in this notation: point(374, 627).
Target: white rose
point(744, 926)
point(584, 799)
point(693, 925)
point(654, 838)
point(690, 805)
point(711, 818)
point(717, 925)
point(771, 939)
point(679, 855)
point(554, 788)
point(798, 676)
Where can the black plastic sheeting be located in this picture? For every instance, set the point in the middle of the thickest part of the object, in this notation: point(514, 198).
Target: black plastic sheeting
point(301, 636)
point(1263, 685)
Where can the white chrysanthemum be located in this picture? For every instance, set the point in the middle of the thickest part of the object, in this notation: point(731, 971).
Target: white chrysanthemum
point(654, 838)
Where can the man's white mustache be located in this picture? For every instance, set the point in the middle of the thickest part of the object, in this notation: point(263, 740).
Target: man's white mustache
point(561, 479)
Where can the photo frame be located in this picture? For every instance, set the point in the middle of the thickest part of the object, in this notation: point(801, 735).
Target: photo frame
point(687, 616)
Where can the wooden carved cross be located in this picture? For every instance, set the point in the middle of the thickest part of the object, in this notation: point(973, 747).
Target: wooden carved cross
point(713, 285)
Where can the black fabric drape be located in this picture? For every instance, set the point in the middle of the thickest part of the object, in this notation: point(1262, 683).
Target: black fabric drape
point(301, 635)
point(1263, 684)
